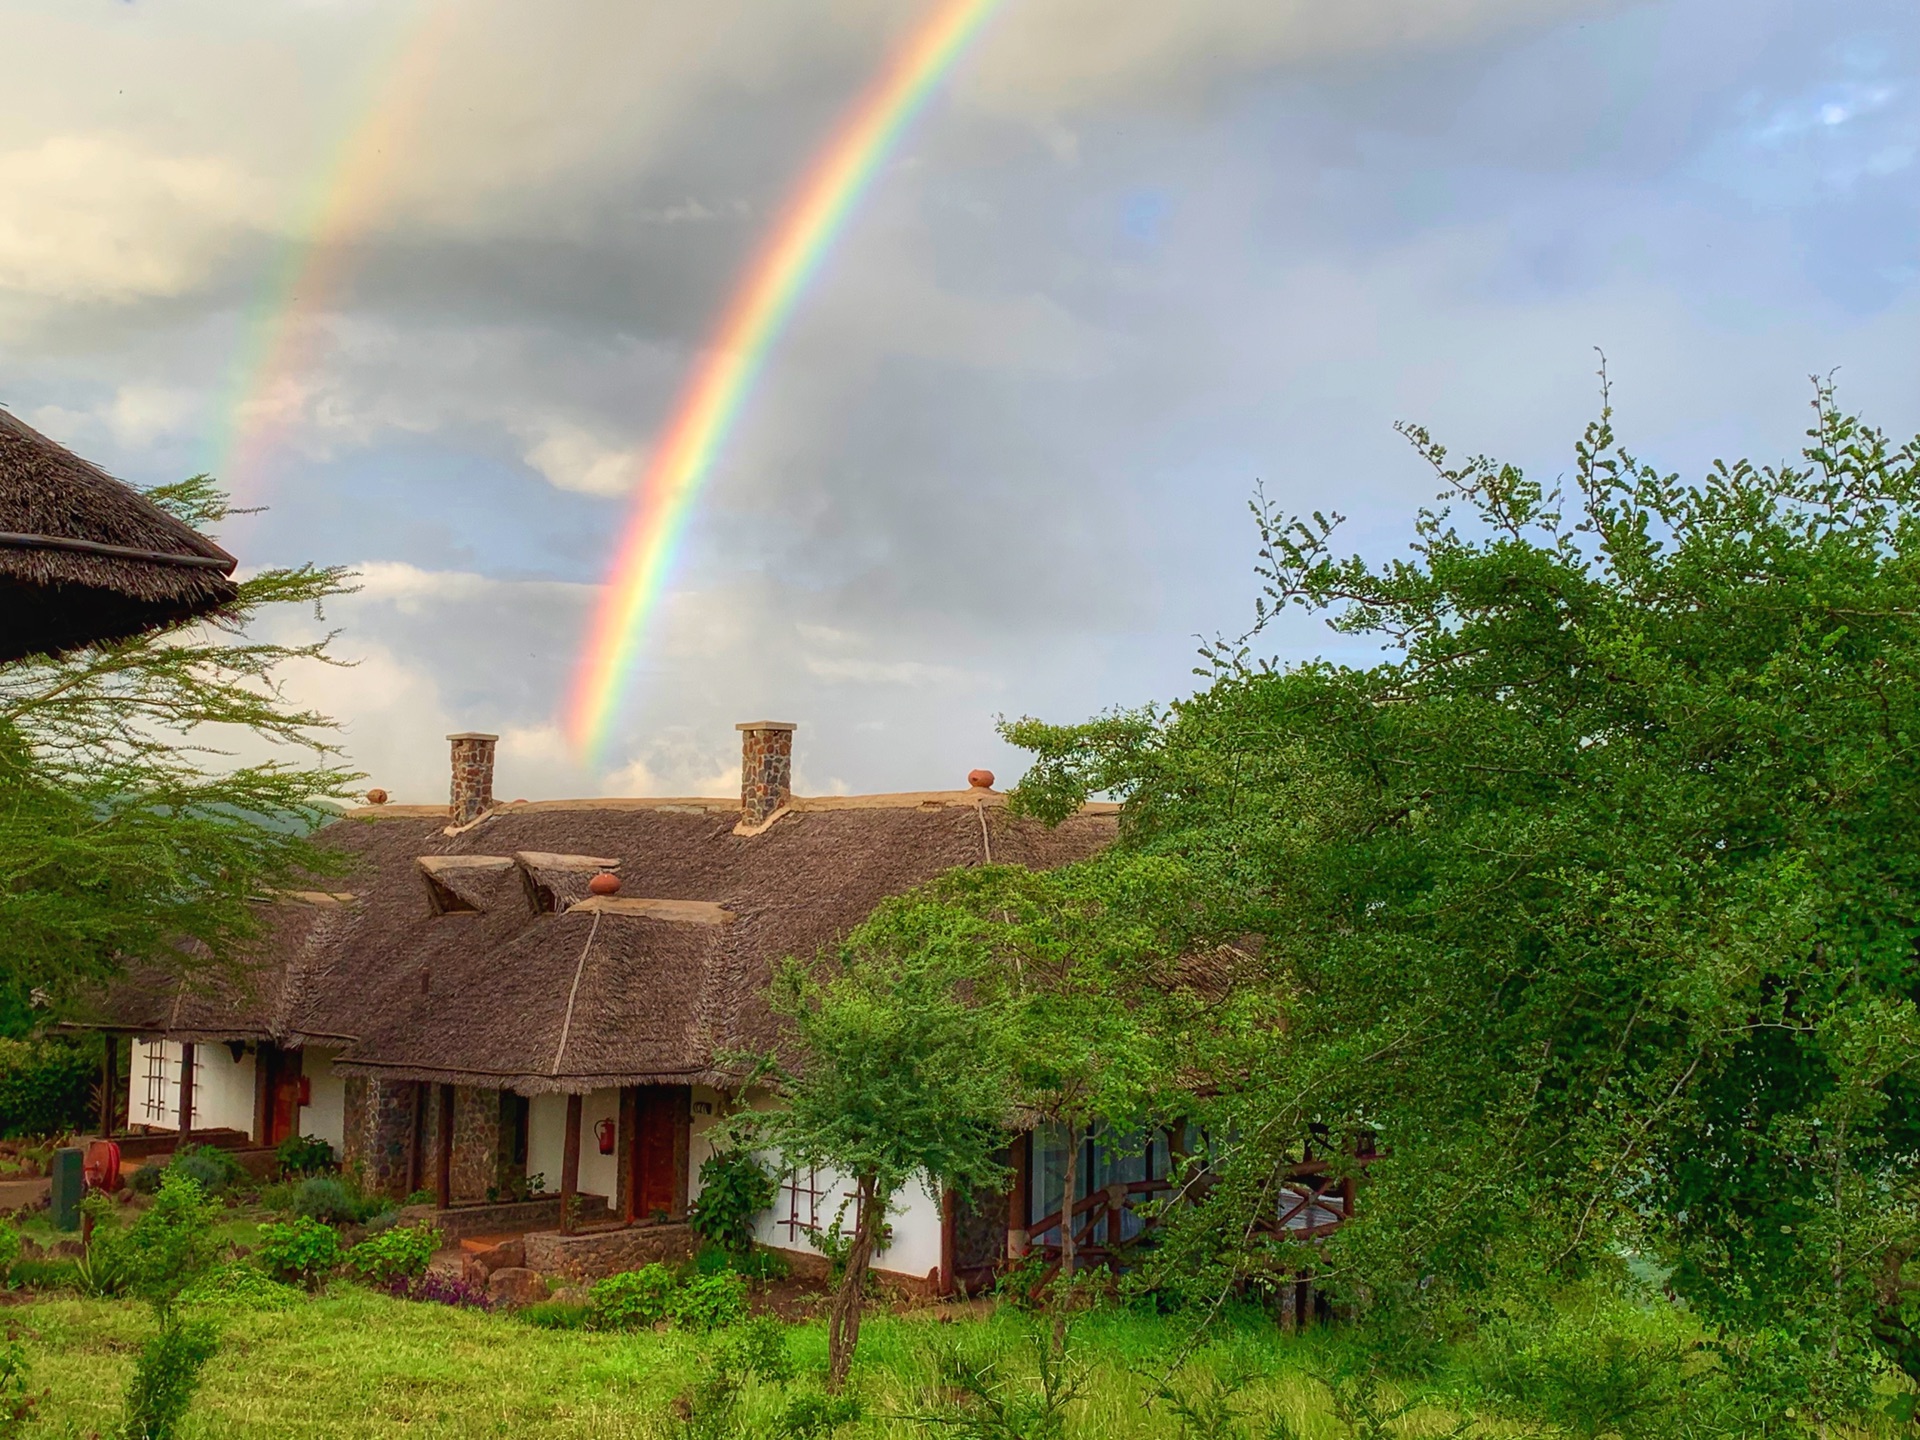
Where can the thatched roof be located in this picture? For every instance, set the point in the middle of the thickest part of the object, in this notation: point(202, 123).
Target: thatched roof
point(85, 558)
point(448, 966)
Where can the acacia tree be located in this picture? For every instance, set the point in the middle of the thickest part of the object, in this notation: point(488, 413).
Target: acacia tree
point(127, 830)
point(1598, 898)
point(895, 1077)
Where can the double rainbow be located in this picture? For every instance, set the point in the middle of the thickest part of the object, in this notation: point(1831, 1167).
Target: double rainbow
point(711, 401)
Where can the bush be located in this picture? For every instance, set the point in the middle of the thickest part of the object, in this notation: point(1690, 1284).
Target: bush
point(758, 1263)
point(710, 1302)
point(46, 1086)
point(146, 1180)
point(160, 1254)
point(305, 1155)
point(401, 1252)
point(632, 1299)
point(208, 1166)
point(302, 1251)
point(9, 1248)
point(759, 1348)
point(734, 1189)
point(322, 1197)
point(37, 1274)
point(165, 1377)
point(16, 1403)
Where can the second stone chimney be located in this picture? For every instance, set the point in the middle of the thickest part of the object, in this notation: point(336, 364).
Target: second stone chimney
point(766, 769)
point(472, 775)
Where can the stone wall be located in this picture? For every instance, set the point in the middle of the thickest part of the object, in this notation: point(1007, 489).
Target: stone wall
point(608, 1252)
point(766, 769)
point(379, 1132)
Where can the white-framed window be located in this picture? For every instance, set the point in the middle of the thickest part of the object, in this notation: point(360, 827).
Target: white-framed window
point(158, 1076)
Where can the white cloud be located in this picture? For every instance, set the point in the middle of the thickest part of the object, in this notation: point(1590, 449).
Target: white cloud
point(101, 217)
point(572, 457)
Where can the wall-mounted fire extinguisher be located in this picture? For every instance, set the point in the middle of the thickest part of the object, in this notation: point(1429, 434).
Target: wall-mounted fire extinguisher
point(306, 1090)
point(603, 1132)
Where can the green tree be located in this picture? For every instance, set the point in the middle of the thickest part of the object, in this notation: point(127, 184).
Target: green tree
point(128, 831)
point(1597, 899)
point(896, 1077)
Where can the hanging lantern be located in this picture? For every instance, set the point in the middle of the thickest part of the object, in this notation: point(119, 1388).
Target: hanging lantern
point(603, 1132)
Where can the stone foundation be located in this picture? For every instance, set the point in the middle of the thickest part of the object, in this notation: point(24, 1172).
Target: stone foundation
point(600, 1253)
point(468, 1220)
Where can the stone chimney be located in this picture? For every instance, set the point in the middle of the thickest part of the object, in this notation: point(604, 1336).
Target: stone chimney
point(766, 769)
point(472, 775)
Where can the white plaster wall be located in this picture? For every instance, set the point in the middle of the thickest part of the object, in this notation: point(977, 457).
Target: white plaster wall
point(599, 1174)
point(222, 1087)
point(547, 1142)
point(913, 1213)
point(547, 1138)
point(325, 1113)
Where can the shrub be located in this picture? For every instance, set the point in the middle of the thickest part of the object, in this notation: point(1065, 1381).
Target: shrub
point(9, 1248)
point(401, 1252)
point(302, 1251)
point(146, 1180)
point(710, 1302)
point(759, 1348)
point(632, 1299)
point(734, 1189)
point(165, 1377)
point(305, 1155)
point(45, 1086)
point(322, 1197)
point(758, 1263)
point(16, 1403)
point(208, 1166)
point(160, 1254)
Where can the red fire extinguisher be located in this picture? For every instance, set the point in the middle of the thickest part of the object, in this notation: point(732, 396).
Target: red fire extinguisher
point(603, 1132)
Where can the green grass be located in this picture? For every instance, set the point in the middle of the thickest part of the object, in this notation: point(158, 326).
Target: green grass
point(351, 1363)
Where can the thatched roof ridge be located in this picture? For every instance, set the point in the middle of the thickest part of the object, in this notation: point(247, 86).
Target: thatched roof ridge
point(84, 557)
point(657, 984)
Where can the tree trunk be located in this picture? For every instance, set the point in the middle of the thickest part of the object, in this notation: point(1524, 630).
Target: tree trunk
point(843, 1323)
point(1063, 1283)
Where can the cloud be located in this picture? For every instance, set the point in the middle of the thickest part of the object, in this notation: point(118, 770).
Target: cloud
point(571, 457)
point(103, 218)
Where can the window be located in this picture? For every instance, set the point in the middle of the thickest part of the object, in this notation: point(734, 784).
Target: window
point(157, 1077)
point(1106, 1159)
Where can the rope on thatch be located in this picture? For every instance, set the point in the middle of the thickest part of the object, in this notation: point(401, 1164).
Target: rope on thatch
point(117, 552)
point(566, 1026)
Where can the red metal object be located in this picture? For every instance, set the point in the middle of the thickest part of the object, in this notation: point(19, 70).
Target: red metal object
point(603, 1132)
point(101, 1168)
point(306, 1090)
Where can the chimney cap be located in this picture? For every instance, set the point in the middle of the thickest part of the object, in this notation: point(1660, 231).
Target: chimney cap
point(472, 735)
point(766, 725)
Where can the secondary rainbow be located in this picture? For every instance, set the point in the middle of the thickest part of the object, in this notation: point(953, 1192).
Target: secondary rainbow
point(711, 400)
point(279, 337)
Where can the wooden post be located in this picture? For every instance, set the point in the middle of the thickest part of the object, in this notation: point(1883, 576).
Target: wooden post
point(185, 1135)
point(948, 1220)
point(109, 1083)
point(570, 1165)
point(1018, 1242)
point(263, 1093)
point(416, 1141)
point(443, 1152)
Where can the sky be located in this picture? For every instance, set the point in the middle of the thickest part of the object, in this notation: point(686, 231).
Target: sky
point(1133, 259)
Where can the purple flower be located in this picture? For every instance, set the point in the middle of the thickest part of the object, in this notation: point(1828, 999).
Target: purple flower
point(439, 1290)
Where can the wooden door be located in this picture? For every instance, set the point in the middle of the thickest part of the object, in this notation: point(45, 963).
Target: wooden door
point(656, 1186)
point(283, 1094)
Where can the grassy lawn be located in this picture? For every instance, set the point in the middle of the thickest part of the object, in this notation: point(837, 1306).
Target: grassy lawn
point(351, 1363)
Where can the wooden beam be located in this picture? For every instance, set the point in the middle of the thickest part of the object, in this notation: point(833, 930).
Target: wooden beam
point(570, 1166)
point(263, 1093)
point(185, 1134)
point(443, 1151)
point(1018, 1242)
point(109, 1083)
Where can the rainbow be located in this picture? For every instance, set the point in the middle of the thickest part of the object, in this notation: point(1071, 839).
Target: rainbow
point(262, 400)
point(715, 392)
